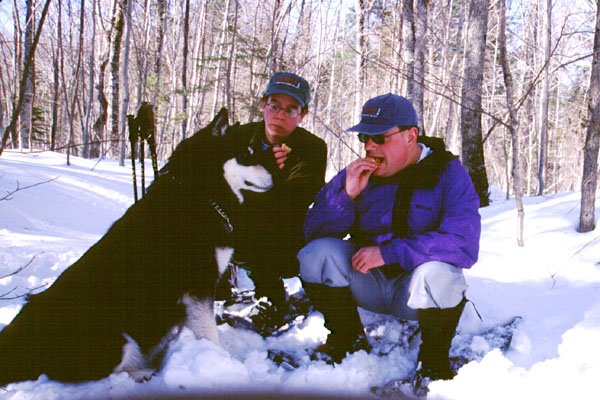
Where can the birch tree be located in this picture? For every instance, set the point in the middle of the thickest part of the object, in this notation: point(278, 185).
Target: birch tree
point(361, 55)
point(545, 100)
point(419, 67)
point(408, 46)
point(513, 124)
point(184, 88)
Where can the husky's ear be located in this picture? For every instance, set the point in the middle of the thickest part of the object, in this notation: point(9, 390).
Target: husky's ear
point(220, 123)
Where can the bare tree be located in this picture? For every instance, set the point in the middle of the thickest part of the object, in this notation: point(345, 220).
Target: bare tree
point(184, 87)
point(408, 46)
point(24, 76)
point(162, 14)
point(589, 181)
point(28, 98)
point(124, 77)
point(421, 26)
point(545, 100)
point(471, 101)
point(115, 67)
point(85, 135)
point(513, 125)
point(360, 71)
point(57, 65)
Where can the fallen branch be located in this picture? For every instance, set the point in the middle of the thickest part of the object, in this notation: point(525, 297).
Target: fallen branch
point(4, 296)
point(8, 195)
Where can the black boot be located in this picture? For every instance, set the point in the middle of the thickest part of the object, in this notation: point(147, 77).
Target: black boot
point(341, 318)
point(272, 313)
point(438, 326)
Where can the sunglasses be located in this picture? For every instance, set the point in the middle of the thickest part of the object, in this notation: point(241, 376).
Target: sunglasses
point(379, 139)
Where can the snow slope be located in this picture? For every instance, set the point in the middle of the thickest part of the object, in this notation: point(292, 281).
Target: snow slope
point(553, 283)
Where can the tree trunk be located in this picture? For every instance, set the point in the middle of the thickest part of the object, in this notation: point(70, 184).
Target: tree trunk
point(25, 130)
point(124, 106)
point(545, 100)
point(56, 65)
point(471, 106)
point(408, 46)
point(421, 22)
point(513, 125)
point(184, 88)
point(361, 56)
point(229, 92)
point(85, 136)
point(162, 13)
point(144, 56)
point(222, 42)
point(589, 180)
point(115, 65)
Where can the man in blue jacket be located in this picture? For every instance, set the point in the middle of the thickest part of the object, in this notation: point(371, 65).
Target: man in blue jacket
point(411, 213)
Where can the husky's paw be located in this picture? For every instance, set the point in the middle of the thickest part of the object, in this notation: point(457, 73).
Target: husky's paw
point(141, 375)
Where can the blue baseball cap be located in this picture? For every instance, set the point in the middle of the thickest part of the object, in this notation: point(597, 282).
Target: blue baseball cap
point(290, 84)
point(384, 112)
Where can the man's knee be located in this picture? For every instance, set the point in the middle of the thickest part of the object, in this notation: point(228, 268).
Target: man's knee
point(436, 285)
point(327, 261)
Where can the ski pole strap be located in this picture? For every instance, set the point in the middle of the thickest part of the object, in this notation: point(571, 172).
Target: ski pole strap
point(133, 137)
point(153, 156)
point(142, 153)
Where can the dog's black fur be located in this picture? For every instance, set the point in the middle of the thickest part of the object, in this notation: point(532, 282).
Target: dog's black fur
point(131, 283)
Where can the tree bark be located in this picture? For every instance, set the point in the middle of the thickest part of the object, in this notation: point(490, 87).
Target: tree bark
point(545, 100)
point(408, 46)
point(589, 181)
point(513, 125)
point(124, 76)
point(162, 13)
point(421, 26)
point(115, 65)
point(471, 106)
point(361, 56)
point(85, 136)
point(25, 130)
point(56, 64)
point(184, 88)
point(229, 92)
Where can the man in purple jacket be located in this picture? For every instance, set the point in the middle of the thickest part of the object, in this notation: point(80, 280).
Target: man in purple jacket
point(410, 211)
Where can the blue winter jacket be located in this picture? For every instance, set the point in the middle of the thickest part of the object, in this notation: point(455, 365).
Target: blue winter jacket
point(442, 220)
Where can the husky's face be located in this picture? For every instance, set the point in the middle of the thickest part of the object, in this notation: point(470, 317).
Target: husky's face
point(244, 172)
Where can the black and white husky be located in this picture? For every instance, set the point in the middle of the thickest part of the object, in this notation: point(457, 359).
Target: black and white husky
point(155, 269)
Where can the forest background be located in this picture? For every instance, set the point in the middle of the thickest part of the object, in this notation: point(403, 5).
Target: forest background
point(513, 86)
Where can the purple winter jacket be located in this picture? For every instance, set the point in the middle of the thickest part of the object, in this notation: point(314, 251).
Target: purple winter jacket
point(443, 221)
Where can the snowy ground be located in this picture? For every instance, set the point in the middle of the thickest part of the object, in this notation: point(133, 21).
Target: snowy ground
point(553, 283)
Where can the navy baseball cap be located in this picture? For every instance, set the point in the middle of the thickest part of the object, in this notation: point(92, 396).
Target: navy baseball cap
point(290, 84)
point(384, 112)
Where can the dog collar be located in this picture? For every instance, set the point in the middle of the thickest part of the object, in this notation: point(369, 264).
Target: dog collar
point(223, 214)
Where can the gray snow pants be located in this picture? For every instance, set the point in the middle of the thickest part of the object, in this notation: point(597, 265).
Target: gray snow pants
point(433, 284)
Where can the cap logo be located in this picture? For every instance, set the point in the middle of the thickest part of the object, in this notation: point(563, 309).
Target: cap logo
point(370, 111)
point(288, 80)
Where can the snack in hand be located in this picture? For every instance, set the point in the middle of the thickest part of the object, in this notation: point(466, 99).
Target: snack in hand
point(377, 160)
point(286, 148)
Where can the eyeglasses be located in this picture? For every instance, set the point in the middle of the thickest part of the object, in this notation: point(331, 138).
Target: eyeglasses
point(379, 139)
point(290, 112)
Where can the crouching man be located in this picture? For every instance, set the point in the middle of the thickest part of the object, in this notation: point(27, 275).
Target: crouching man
point(411, 213)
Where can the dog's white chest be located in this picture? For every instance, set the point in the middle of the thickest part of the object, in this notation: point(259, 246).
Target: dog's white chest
point(223, 255)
